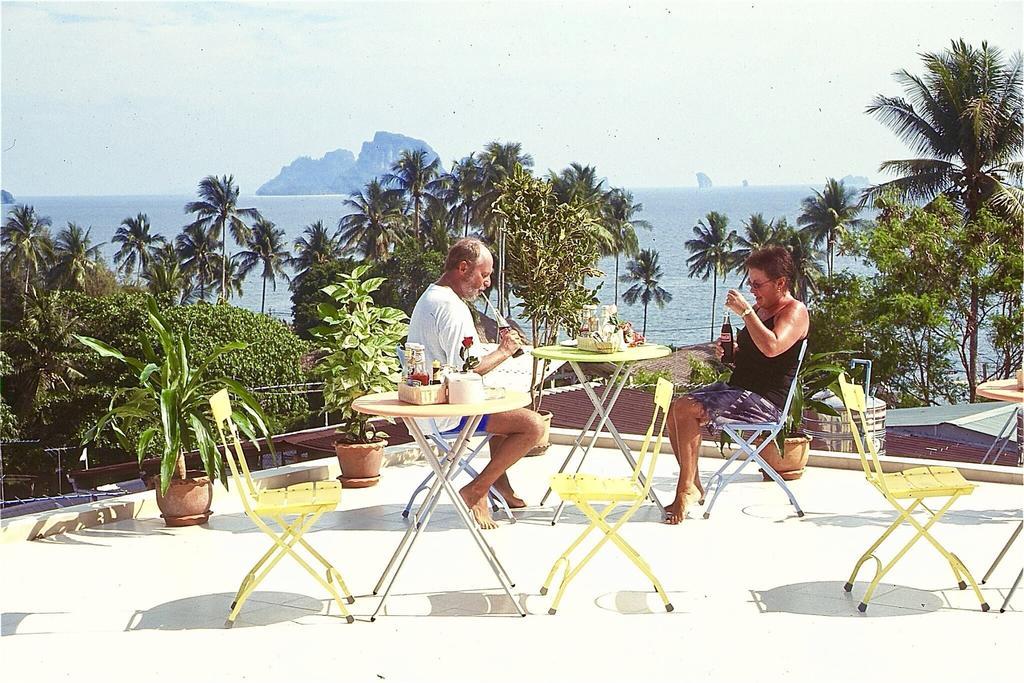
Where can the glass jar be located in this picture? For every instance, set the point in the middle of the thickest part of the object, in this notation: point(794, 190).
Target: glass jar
point(416, 363)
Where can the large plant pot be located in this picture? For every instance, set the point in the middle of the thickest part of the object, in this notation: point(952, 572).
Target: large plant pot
point(187, 501)
point(360, 463)
point(791, 464)
point(545, 440)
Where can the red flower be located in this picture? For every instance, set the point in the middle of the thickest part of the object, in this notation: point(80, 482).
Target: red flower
point(467, 342)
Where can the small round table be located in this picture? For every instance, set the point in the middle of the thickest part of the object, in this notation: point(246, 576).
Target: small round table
point(388, 405)
point(624, 362)
point(1004, 390)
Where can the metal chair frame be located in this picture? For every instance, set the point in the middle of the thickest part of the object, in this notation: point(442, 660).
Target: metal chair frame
point(922, 482)
point(743, 435)
point(583, 490)
point(306, 502)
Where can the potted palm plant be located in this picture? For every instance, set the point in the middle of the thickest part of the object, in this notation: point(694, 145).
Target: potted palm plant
point(551, 249)
point(170, 401)
point(359, 340)
point(789, 453)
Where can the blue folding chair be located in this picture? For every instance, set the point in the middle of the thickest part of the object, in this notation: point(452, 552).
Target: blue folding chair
point(743, 435)
point(444, 440)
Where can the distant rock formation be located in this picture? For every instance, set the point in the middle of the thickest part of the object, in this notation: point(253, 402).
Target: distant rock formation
point(6, 197)
point(704, 182)
point(340, 171)
point(745, 183)
point(857, 181)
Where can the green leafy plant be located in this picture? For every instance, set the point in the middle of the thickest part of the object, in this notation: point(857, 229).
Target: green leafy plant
point(551, 248)
point(818, 372)
point(170, 399)
point(360, 341)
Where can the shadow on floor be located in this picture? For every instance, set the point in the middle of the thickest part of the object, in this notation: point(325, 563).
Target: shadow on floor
point(480, 603)
point(828, 599)
point(211, 611)
point(883, 518)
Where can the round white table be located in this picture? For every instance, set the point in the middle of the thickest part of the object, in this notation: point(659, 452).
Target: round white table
point(388, 405)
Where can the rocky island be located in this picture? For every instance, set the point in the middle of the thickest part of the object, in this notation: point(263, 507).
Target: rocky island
point(6, 197)
point(340, 171)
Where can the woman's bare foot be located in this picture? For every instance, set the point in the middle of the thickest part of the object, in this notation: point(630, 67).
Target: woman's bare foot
point(481, 511)
point(675, 512)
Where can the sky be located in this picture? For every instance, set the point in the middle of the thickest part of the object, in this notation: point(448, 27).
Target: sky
point(116, 98)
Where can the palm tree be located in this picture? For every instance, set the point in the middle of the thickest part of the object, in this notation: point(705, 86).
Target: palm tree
point(267, 248)
point(461, 188)
point(410, 175)
point(74, 257)
point(217, 210)
point(437, 219)
point(316, 245)
point(197, 249)
point(136, 243)
point(964, 118)
point(711, 254)
point(806, 257)
point(26, 242)
point(830, 215)
point(646, 273)
point(376, 225)
point(619, 220)
point(164, 274)
point(497, 162)
point(579, 182)
point(758, 233)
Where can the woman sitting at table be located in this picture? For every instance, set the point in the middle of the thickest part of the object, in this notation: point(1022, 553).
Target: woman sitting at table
point(765, 354)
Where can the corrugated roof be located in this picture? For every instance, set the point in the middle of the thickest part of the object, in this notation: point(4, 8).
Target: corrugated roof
point(985, 418)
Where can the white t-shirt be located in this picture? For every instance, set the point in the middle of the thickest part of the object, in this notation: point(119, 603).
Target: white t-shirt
point(440, 321)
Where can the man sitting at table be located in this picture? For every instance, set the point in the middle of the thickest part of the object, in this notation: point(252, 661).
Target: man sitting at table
point(441, 321)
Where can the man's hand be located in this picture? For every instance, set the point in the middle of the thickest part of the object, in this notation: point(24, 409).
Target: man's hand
point(509, 341)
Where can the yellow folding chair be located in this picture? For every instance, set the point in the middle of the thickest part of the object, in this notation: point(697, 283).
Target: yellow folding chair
point(912, 485)
point(306, 502)
point(583, 490)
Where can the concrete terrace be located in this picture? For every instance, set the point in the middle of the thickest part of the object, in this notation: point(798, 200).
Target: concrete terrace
point(757, 591)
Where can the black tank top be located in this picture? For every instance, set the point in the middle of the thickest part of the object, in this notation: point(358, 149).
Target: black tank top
point(756, 372)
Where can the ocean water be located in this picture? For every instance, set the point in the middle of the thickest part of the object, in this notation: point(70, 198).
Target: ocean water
point(671, 211)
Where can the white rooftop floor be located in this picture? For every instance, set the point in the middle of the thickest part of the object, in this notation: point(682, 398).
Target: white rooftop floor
point(757, 591)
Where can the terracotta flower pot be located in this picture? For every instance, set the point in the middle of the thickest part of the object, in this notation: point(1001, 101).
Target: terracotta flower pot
point(794, 458)
point(545, 441)
point(187, 501)
point(360, 463)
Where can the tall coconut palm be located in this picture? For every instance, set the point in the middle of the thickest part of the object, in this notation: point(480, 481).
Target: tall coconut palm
point(645, 272)
point(711, 254)
point(316, 245)
point(579, 182)
point(461, 188)
point(75, 257)
point(411, 174)
point(437, 222)
point(619, 218)
point(26, 243)
point(758, 233)
point(963, 117)
point(806, 257)
point(165, 275)
point(830, 215)
point(137, 244)
point(217, 210)
point(197, 248)
point(376, 224)
point(267, 248)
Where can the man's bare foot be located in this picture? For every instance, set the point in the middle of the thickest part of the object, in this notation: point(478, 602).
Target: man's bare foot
point(695, 496)
point(675, 512)
point(514, 501)
point(480, 510)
